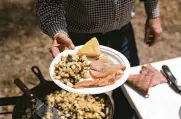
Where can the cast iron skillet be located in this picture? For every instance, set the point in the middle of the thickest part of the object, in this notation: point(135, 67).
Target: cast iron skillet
point(42, 90)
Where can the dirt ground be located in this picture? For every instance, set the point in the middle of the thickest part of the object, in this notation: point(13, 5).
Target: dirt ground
point(23, 45)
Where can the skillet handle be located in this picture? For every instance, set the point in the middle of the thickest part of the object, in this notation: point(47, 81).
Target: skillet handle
point(38, 73)
point(25, 90)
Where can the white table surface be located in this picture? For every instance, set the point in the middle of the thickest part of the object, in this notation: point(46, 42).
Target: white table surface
point(163, 102)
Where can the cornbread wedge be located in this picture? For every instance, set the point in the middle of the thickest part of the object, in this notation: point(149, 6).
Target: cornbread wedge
point(91, 48)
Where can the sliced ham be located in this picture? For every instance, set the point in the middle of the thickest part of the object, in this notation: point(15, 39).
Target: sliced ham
point(105, 59)
point(103, 72)
point(106, 71)
point(100, 63)
point(108, 80)
point(141, 82)
point(97, 65)
point(148, 77)
point(157, 78)
point(86, 84)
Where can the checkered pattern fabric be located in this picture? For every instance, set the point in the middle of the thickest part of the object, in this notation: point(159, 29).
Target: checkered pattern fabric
point(88, 16)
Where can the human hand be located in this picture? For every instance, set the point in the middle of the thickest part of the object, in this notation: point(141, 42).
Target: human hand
point(60, 42)
point(152, 31)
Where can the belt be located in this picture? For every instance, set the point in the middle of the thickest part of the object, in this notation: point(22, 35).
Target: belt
point(121, 30)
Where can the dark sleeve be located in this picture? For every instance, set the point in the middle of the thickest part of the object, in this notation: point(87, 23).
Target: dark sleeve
point(152, 8)
point(51, 16)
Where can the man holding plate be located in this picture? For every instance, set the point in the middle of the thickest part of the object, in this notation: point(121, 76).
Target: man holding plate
point(73, 22)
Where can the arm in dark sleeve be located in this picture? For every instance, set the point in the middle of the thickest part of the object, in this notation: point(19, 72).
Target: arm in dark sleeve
point(152, 8)
point(51, 16)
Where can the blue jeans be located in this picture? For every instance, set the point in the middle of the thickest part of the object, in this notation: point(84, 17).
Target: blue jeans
point(123, 41)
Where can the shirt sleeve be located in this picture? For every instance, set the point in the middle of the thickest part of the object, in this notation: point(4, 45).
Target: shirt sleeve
point(152, 8)
point(51, 16)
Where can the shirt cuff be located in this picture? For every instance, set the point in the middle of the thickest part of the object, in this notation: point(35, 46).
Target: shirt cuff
point(56, 28)
point(152, 8)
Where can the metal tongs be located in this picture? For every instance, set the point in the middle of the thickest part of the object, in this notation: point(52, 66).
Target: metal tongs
point(39, 107)
point(171, 79)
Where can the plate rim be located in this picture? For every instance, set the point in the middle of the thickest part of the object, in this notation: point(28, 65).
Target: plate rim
point(94, 90)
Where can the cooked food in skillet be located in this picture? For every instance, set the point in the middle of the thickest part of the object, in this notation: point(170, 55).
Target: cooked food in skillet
point(73, 106)
point(76, 106)
point(148, 77)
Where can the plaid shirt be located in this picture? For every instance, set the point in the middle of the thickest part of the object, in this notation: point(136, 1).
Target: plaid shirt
point(88, 16)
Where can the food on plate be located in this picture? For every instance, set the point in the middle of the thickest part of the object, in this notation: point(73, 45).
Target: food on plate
point(99, 71)
point(105, 59)
point(77, 106)
point(100, 63)
point(99, 82)
point(103, 72)
point(148, 77)
point(91, 48)
point(71, 68)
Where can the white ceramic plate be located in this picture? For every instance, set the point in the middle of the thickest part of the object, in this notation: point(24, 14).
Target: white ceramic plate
point(114, 55)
